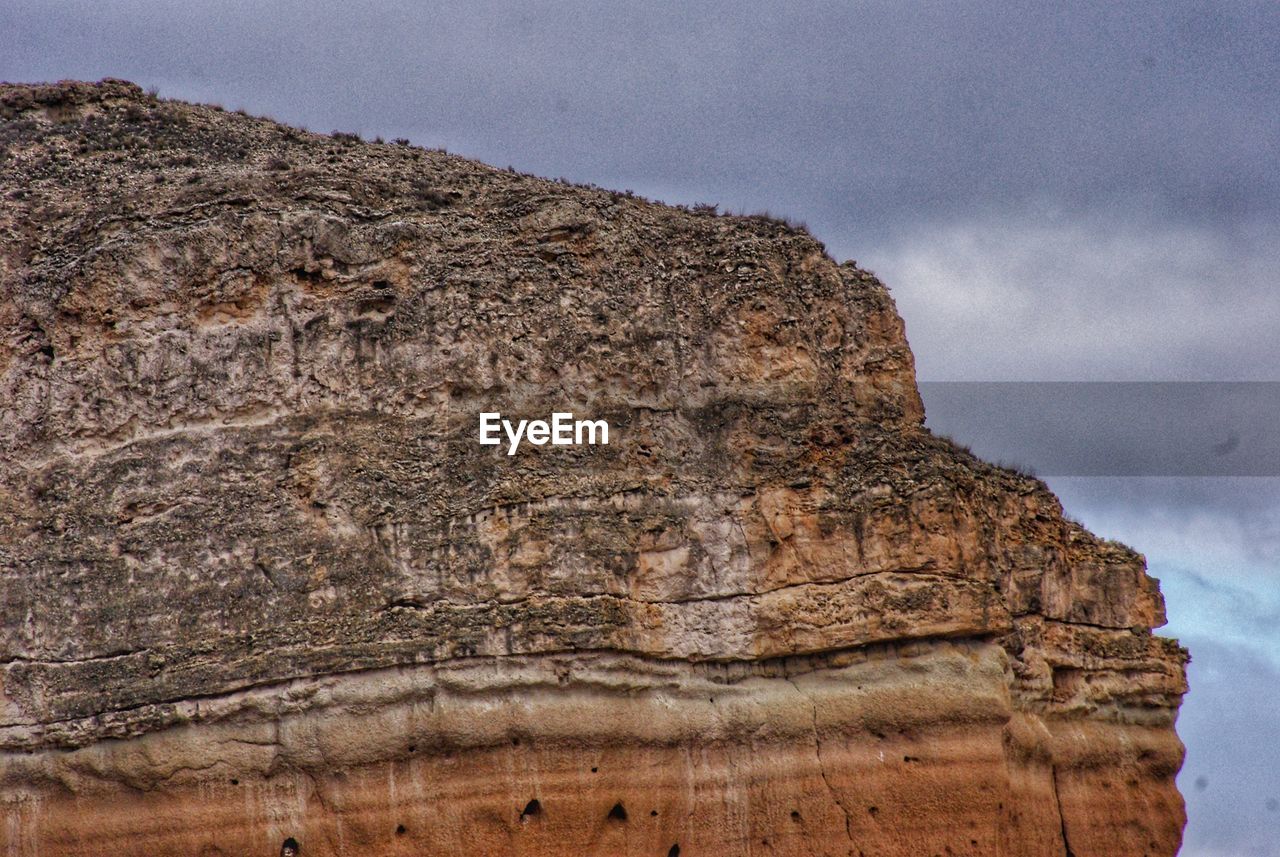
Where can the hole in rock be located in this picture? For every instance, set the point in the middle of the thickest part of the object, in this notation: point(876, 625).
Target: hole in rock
point(235, 782)
point(381, 284)
point(874, 810)
point(653, 812)
point(532, 809)
point(795, 815)
point(1066, 681)
point(675, 851)
point(618, 813)
point(400, 830)
point(290, 848)
point(375, 305)
point(413, 748)
point(594, 770)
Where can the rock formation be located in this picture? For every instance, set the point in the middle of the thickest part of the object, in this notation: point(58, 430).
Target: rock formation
point(260, 580)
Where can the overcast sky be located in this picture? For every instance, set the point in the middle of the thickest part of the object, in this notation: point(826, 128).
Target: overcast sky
point(1082, 191)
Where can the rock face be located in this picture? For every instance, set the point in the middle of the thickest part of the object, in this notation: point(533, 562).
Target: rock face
point(260, 579)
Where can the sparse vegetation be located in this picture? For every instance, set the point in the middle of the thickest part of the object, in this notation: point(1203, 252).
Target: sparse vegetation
point(432, 198)
point(1017, 467)
point(766, 216)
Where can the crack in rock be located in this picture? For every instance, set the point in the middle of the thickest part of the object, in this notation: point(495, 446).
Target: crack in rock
point(1062, 818)
point(822, 770)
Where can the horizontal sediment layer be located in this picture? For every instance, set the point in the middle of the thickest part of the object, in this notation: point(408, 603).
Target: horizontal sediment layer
point(826, 755)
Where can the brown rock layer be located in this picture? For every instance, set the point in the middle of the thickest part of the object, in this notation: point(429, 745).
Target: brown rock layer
point(260, 579)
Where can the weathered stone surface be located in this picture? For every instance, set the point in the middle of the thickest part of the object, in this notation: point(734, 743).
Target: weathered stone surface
point(261, 580)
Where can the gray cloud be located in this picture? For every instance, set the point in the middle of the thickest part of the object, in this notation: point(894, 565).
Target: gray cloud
point(1142, 428)
point(1223, 523)
point(1088, 298)
point(858, 116)
point(1233, 752)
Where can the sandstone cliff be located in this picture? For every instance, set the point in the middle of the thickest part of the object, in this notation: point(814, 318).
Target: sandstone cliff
point(261, 581)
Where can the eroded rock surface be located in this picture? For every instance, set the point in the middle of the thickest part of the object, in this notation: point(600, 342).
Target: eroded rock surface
point(260, 579)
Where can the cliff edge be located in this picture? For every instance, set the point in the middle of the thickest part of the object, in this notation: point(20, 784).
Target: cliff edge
point(259, 579)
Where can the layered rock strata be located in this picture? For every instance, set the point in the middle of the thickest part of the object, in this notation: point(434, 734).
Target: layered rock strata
point(260, 580)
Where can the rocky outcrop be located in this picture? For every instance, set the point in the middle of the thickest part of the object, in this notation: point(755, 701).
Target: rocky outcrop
point(260, 580)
